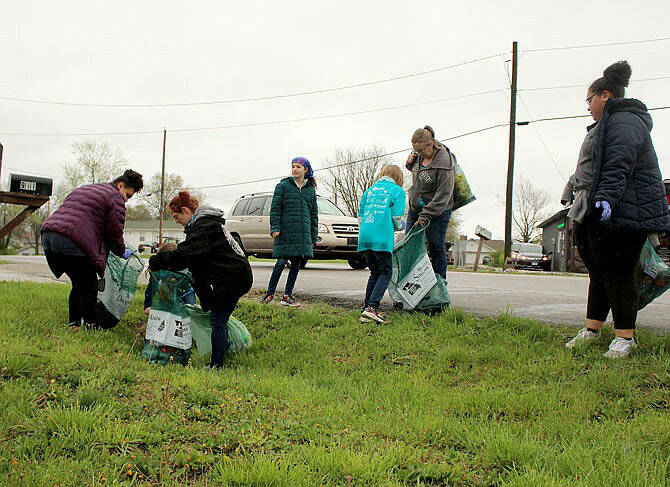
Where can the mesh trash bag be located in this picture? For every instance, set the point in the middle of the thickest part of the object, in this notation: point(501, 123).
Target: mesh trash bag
point(414, 285)
point(239, 339)
point(168, 335)
point(462, 192)
point(120, 284)
point(653, 275)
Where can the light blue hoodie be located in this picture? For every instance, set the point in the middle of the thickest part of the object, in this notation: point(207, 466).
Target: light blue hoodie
point(380, 211)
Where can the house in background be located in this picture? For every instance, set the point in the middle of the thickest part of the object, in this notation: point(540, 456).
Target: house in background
point(464, 251)
point(146, 232)
point(558, 240)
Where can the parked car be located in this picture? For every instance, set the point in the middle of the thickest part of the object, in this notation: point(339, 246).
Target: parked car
point(529, 256)
point(151, 247)
point(249, 223)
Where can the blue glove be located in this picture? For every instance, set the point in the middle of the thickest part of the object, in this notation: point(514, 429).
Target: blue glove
point(127, 254)
point(607, 210)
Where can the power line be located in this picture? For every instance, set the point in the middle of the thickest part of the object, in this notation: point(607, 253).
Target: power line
point(256, 124)
point(347, 163)
point(585, 85)
point(527, 122)
point(257, 98)
point(539, 136)
point(274, 178)
point(588, 46)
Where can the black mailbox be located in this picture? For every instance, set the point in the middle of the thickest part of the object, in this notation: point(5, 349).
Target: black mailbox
point(19, 183)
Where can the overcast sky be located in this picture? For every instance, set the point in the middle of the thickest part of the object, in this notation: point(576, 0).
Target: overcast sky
point(150, 52)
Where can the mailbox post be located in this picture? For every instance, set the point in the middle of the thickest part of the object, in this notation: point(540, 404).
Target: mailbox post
point(31, 192)
point(483, 234)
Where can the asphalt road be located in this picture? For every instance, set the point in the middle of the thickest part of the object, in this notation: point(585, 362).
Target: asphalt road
point(550, 298)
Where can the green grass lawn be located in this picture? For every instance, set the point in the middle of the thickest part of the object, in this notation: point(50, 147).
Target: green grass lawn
point(322, 399)
point(4, 262)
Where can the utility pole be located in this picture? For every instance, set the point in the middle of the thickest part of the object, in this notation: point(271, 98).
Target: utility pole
point(162, 205)
point(510, 159)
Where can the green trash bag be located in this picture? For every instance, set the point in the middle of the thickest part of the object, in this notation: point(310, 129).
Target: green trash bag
point(414, 285)
point(160, 354)
point(168, 336)
point(239, 339)
point(653, 275)
point(119, 289)
point(462, 192)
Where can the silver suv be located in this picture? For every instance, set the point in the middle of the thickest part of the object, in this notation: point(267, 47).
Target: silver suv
point(249, 223)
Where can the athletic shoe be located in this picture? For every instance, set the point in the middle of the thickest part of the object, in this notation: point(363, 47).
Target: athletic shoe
point(371, 314)
point(620, 348)
point(288, 300)
point(584, 335)
point(267, 299)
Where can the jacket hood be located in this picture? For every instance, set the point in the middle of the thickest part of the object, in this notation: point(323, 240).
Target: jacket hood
point(443, 159)
point(630, 105)
point(208, 211)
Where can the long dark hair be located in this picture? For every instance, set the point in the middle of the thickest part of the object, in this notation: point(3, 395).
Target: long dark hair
point(615, 79)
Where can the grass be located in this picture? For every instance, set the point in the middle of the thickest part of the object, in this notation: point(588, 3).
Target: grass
point(322, 399)
point(4, 262)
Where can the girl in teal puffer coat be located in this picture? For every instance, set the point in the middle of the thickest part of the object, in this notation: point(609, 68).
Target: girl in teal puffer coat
point(294, 226)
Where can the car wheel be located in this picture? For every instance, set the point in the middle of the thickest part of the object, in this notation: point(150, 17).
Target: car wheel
point(357, 263)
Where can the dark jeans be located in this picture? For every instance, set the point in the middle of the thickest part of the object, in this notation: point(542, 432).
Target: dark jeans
point(436, 234)
point(296, 262)
point(219, 317)
point(84, 293)
point(381, 268)
point(610, 257)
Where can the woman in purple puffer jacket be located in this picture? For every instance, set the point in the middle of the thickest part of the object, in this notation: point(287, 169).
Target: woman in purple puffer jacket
point(78, 237)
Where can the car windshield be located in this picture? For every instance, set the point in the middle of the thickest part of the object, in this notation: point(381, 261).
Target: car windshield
point(530, 248)
point(326, 207)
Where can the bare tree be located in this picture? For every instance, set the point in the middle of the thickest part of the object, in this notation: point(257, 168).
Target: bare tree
point(95, 163)
point(530, 209)
point(31, 228)
point(151, 196)
point(138, 212)
point(454, 228)
point(351, 172)
point(7, 214)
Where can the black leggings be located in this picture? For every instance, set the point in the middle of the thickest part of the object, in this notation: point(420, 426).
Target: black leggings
point(611, 258)
point(84, 293)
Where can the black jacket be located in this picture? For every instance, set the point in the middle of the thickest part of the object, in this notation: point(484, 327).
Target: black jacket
point(625, 169)
point(219, 267)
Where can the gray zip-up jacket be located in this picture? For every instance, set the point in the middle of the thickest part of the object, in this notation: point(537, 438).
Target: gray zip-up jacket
point(432, 190)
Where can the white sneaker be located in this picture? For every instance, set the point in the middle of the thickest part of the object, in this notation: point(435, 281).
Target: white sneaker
point(584, 335)
point(620, 348)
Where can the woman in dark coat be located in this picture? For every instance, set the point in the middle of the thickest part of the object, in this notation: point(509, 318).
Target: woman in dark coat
point(221, 271)
point(294, 226)
point(79, 235)
point(619, 198)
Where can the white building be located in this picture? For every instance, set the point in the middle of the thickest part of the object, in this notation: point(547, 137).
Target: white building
point(146, 232)
point(465, 252)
